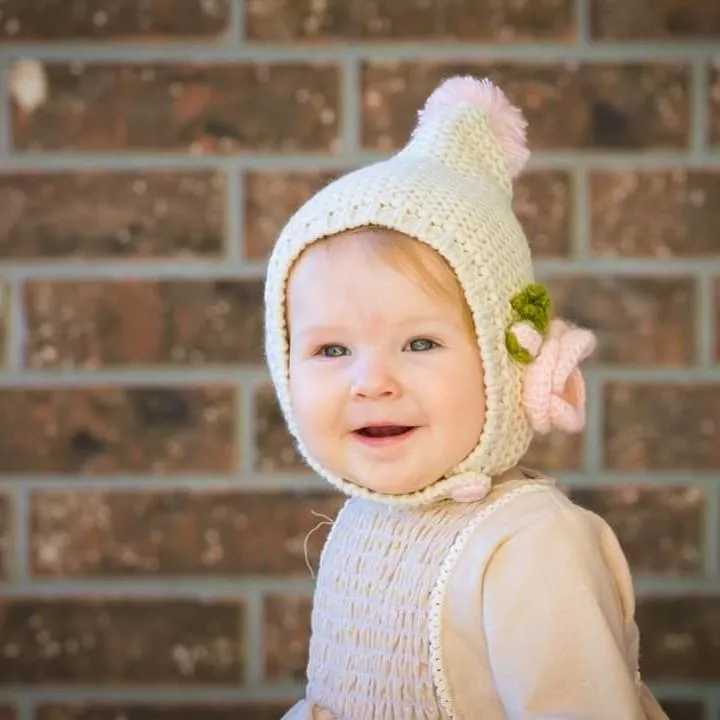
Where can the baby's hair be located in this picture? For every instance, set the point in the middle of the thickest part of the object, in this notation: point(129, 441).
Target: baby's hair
point(414, 259)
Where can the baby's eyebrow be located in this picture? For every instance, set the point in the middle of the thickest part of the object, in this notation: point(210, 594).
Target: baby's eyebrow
point(313, 330)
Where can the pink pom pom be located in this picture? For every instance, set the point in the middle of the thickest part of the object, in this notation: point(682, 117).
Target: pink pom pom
point(506, 121)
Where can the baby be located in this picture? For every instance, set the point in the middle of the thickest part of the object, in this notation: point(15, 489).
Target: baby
point(414, 357)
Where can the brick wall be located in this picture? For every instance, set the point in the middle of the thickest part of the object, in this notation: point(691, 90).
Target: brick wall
point(152, 509)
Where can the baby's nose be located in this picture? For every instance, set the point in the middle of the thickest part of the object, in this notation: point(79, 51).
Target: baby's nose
point(374, 378)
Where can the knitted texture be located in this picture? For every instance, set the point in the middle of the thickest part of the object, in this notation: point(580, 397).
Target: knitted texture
point(370, 653)
point(554, 389)
point(450, 187)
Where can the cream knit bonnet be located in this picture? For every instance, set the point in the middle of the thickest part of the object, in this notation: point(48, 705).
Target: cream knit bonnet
point(450, 187)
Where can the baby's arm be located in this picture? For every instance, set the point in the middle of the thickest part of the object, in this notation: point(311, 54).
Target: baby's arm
point(558, 609)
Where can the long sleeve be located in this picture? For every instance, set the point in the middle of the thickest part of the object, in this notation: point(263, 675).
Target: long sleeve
point(558, 610)
point(301, 710)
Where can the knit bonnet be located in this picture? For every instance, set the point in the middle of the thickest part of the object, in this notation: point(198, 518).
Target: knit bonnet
point(450, 187)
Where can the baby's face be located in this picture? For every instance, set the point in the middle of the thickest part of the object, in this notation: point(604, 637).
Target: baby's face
point(386, 382)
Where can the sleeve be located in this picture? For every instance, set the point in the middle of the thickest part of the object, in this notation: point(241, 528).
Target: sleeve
point(558, 610)
point(301, 710)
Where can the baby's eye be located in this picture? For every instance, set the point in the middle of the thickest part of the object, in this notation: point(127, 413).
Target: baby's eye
point(422, 345)
point(332, 351)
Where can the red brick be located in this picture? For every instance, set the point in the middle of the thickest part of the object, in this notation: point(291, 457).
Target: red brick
point(659, 214)
point(112, 214)
point(543, 203)
point(660, 528)
point(556, 451)
point(287, 635)
point(275, 449)
point(612, 106)
point(6, 531)
point(714, 107)
point(153, 534)
point(642, 321)
point(163, 711)
point(660, 20)
point(92, 324)
point(669, 426)
point(292, 20)
point(680, 638)
point(99, 431)
point(203, 108)
point(104, 642)
point(270, 199)
point(112, 20)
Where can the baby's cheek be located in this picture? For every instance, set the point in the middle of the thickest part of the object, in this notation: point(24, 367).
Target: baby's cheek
point(310, 405)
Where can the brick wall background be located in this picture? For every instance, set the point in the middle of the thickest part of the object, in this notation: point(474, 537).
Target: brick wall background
point(152, 509)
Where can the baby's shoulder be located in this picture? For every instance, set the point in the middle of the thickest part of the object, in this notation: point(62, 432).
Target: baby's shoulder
point(544, 529)
point(543, 520)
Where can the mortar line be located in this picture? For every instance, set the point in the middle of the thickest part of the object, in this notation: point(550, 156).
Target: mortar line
point(350, 106)
point(712, 706)
point(191, 587)
point(582, 20)
point(161, 376)
point(592, 442)
point(130, 694)
point(236, 25)
point(699, 108)
point(712, 531)
point(6, 134)
point(17, 327)
point(646, 586)
point(234, 217)
point(705, 321)
point(580, 227)
point(254, 637)
point(246, 416)
point(154, 270)
point(482, 53)
point(25, 709)
point(298, 483)
point(21, 561)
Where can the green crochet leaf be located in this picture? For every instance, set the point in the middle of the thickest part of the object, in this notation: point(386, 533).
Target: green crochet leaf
point(516, 350)
point(532, 304)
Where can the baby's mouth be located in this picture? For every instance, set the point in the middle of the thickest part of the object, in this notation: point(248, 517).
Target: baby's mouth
point(383, 431)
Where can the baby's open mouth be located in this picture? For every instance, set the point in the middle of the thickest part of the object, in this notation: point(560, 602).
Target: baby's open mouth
point(381, 431)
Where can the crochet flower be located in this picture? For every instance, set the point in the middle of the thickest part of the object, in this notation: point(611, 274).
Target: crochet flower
point(554, 389)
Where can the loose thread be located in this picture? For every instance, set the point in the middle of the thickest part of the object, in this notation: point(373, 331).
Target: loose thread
point(325, 521)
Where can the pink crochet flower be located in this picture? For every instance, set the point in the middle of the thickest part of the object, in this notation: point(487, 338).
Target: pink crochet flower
point(554, 389)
